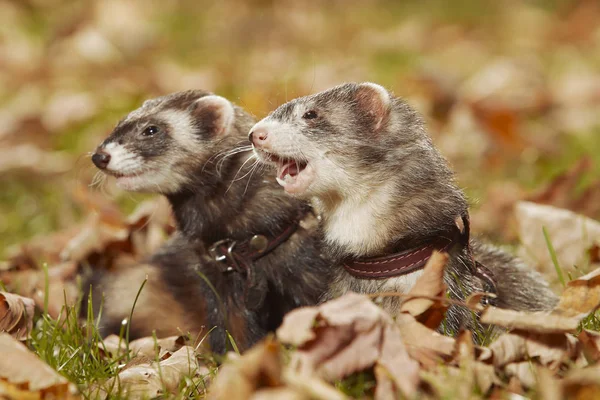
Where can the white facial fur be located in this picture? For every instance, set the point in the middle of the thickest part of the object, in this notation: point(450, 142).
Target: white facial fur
point(134, 175)
point(321, 173)
point(171, 162)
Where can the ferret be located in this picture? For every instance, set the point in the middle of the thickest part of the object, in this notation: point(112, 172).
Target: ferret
point(191, 147)
point(382, 188)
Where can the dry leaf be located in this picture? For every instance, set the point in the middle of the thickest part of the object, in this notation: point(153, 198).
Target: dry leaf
point(150, 347)
point(278, 393)
point(423, 344)
point(548, 387)
point(259, 367)
point(582, 384)
point(524, 371)
point(16, 315)
point(430, 283)
point(541, 322)
point(19, 366)
point(151, 379)
point(581, 297)
point(349, 334)
point(571, 236)
point(591, 344)
point(551, 350)
point(312, 386)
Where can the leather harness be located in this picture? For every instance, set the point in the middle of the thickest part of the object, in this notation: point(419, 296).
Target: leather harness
point(239, 256)
point(414, 259)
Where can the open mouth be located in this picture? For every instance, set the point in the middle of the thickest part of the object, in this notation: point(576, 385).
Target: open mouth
point(293, 175)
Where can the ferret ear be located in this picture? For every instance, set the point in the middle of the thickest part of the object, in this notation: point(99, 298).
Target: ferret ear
point(375, 101)
point(214, 113)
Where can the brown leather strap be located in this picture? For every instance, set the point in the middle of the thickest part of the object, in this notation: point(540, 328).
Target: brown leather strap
point(396, 264)
point(239, 255)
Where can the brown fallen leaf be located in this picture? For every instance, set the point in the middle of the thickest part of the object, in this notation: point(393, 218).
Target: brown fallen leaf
point(551, 350)
point(22, 368)
point(16, 315)
point(150, 347)
point(260, 367)
point(423, 344)
point(61, 284)
point(572, 235)
point(278, 393)
point(582, 383)
point(540, 322)
point(591, 344)
point(548, 387)
point(349, 334)
point(112, 345)
point(312, 386)
point(581, 297)
point(525, 371)
point(430, 283)
point(150, 379)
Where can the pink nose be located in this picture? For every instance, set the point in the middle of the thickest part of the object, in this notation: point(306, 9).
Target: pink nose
point(258, 136)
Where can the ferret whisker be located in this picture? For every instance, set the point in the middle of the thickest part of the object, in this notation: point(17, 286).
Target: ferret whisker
point(235, 178)
point(255, 167)
point(231, 153)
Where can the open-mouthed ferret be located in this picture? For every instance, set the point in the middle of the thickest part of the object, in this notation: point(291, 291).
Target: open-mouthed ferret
point(387, 198)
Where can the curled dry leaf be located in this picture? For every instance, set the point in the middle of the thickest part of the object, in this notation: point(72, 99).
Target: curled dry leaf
point(16, 315)
point(572, 235)
point(349, 334)
point(581, 297)
point(541, 322)
point(23, 369)
point(149, 347)
point(260, 367)
point(61, 285)
point(423, 344)
point(152, 379)
point(551, 350)
point(430, 283)
point(591, 344)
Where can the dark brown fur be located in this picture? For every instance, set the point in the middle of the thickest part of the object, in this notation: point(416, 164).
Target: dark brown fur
point(220, 198)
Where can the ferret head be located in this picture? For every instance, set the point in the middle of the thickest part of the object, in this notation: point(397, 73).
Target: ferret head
point(157, 147)
point(346, 138)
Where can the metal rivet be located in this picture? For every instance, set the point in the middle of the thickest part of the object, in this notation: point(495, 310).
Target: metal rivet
point(259, 243)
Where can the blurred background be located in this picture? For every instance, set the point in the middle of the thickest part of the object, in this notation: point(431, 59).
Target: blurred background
point(510, 90)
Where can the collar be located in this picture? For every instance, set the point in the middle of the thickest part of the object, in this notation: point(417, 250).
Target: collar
point(396, 264)
point(238, 255)
point(410, 260)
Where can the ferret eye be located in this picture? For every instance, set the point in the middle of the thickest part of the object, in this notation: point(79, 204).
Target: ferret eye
point(310, 115)
point(151, 130)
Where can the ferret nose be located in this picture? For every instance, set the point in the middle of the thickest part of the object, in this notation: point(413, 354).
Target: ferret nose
point(101, 159)
point(258, 136)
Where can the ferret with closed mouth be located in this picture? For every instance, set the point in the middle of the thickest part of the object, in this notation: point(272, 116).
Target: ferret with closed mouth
point(243, 254)
point(387, 198)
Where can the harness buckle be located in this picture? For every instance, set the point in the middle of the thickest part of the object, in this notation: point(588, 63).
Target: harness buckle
point(217, 253)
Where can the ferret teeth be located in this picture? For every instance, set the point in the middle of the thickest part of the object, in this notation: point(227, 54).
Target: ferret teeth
point(287, 178)
point(280, 181)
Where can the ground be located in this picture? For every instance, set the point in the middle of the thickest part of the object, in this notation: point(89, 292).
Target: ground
point(510, 91)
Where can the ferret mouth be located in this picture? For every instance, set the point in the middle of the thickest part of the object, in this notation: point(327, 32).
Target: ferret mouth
point(292, 174)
